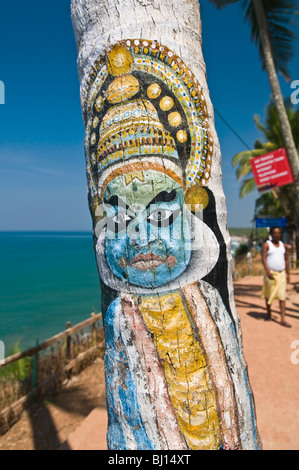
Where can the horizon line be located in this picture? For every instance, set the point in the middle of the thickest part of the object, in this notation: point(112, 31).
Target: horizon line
point(73, 230)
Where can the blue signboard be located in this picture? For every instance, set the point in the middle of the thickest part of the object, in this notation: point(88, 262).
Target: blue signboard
point(275, 222)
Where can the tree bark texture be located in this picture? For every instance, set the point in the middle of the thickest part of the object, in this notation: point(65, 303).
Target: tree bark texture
point(176, 376)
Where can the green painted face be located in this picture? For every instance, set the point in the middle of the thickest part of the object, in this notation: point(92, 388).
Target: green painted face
point(147, 228)
point(139, 187)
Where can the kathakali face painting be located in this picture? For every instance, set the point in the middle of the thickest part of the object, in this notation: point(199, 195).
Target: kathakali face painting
point(148, 235)
point(170, 342)
point(149, 154)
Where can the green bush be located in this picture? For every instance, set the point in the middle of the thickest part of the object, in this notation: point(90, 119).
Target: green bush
point(242, 249)
point(20, 369)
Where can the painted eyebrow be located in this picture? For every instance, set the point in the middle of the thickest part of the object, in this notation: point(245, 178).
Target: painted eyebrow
point(116, 201)
point(163, 196)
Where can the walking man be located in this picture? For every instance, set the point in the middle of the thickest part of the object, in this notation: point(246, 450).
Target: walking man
point(275, 261)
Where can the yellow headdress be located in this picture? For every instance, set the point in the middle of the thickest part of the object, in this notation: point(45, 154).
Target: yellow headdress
point(142, 102)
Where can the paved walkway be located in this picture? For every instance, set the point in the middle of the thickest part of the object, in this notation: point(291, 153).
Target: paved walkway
point(273, 372)
point(272, 366)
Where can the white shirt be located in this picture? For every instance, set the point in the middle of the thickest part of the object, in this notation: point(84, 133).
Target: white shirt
point(276, 256)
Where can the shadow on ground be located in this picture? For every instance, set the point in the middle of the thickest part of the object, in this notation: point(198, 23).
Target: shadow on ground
point(259, 313)
point(45, 434)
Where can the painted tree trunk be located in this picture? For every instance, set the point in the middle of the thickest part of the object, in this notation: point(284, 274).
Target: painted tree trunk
point(176, 376)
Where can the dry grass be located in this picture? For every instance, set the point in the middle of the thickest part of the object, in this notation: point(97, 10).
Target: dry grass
point(243, 268)
point(44, 372)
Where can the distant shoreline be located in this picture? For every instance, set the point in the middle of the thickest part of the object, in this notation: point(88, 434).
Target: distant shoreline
point(230, 229)
point(46, 231)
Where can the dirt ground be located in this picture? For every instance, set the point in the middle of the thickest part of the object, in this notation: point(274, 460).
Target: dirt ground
point(273, 365)
point(272, 355)
point(47, 425)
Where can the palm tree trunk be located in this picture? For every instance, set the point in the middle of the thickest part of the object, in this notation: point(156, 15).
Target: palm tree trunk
point(276, 90)
point(176, 376)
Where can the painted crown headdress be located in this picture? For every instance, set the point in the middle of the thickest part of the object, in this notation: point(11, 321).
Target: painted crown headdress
point(142, 103)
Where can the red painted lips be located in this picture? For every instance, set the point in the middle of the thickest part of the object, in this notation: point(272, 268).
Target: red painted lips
point(148, 261)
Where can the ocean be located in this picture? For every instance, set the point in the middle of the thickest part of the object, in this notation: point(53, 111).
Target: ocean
point(46, 280)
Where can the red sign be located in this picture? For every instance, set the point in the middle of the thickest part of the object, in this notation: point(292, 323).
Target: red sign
point(271, 170)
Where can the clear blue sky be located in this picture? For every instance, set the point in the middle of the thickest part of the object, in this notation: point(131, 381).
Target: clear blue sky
point(42, 167)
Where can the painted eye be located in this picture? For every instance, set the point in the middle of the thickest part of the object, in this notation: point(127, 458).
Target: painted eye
point(121, 218)
point(161, 217)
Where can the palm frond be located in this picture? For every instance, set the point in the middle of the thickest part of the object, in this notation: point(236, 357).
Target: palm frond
point(248, 186)
point(258, 144)
point(268, 204)
point(269, 146)
point(237, 158)
point(272, 128)
point(280, 18)
point(243, 157)
point(243, 170)
point(266, 146)
point(259, 125)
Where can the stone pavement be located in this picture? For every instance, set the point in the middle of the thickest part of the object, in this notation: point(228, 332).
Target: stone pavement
point(273, 364)
point(273, 367)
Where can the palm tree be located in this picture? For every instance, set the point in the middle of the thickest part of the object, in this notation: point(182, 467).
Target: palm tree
point(281, 200)
point(244, 170)
point(273, 135)
point(270, 22)
point(274, 205)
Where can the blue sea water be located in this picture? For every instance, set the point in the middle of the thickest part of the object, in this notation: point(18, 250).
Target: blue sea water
point(46, 279)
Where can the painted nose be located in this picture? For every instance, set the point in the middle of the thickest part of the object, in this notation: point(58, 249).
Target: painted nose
point(137, 231)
